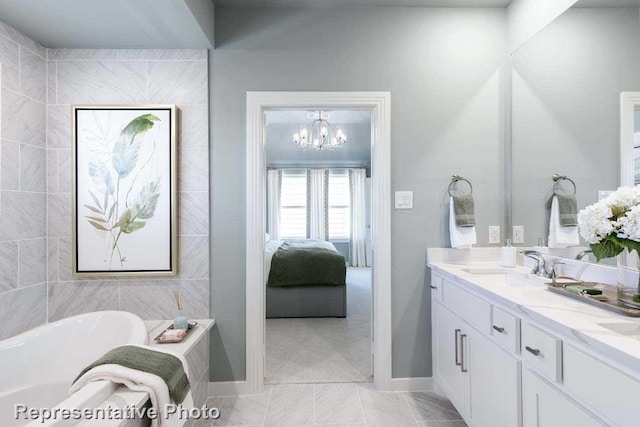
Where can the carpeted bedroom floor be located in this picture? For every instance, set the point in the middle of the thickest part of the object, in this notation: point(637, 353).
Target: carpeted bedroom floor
point(324, 350)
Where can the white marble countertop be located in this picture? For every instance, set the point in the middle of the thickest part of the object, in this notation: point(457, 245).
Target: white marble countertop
point(568, 317)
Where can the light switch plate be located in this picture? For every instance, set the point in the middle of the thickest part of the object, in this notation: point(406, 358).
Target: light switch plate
point(404, 199)
point(494, 234)
point(518, 234)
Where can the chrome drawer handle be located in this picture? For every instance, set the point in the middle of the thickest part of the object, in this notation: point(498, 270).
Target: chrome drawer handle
point(457, 333)
point(498, 328)
point(434, 287)
point(533, 351)
point(462, 367)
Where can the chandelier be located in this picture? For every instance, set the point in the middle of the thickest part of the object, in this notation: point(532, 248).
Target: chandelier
point(319, 135)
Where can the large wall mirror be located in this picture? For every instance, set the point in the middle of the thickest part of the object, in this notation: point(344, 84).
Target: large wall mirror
point(566, 107)
point(630, 138)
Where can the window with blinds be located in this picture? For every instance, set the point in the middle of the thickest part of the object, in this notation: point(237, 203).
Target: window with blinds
point(339, 205)
point(293, 204)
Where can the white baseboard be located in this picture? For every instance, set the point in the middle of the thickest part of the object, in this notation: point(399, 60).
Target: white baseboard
point(412, 384)
point(237, 388)
point(229, 388)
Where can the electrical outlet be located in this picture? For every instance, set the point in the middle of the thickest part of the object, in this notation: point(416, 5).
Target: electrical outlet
point(518, 234)
point(494, 234)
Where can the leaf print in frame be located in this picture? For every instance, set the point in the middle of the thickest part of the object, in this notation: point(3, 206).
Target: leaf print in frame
point(124, 216)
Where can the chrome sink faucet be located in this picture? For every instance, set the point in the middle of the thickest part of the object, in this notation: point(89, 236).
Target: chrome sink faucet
point(583, 254)
point(540, 269)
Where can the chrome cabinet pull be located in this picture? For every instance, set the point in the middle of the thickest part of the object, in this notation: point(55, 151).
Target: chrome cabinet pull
point(533, 351)
point(498, 328)
point(462, 367)
point(434, 287)
point(457, 333)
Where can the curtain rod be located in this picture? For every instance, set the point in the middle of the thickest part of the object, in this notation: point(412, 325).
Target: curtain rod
point(318, 167)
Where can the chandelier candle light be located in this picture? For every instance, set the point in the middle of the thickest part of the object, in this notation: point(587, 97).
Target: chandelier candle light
point(319, 135)
point(612, 228)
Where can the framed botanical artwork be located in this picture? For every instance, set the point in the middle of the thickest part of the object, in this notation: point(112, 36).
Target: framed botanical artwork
point(124, 190)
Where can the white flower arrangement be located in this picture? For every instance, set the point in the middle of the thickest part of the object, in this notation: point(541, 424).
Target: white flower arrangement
point(613, 224)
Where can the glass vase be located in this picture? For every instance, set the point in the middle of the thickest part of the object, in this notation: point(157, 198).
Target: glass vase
point(181, 321)
point(629, 278)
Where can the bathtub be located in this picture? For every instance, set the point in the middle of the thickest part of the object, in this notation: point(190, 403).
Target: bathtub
point(37, 367)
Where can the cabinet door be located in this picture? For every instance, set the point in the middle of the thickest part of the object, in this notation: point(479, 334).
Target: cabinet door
point(544, 406)
point(494, 384)
point(448, 356)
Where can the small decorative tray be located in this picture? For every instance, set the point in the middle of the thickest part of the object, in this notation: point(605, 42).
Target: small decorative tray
point(190, 328)
point(610, 292)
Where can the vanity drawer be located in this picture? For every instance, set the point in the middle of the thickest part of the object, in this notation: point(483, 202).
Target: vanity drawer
point(542, 351)
point(603, 388)
point(505, 329)
point(471, 308)
point(436, 288)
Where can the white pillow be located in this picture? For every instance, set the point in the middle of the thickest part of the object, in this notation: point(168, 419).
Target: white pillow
point(267, 237)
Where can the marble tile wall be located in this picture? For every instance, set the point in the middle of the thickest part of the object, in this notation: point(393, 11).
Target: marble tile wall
point(103, 76)
point(23, 94)
point(38, 87)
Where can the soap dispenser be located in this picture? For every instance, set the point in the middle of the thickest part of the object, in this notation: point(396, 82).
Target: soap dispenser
point(509, 254)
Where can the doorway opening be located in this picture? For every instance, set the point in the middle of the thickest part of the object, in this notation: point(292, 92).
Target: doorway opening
point(318, 257)
point(259, 107)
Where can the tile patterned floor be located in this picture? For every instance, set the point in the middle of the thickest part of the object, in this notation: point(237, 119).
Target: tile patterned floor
point(334, 405)
point(324, 350)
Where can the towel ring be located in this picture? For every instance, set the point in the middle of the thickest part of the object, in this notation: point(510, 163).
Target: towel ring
point(557, 178)
point(456, 178)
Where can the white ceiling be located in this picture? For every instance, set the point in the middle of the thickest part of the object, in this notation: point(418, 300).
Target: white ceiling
point(300, 117)
point(113, 23)
point(362, 3)
point(174, 23)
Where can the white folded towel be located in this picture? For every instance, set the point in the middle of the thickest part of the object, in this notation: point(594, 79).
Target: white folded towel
point(141, 381)
point(461, 237)
point(559, 236)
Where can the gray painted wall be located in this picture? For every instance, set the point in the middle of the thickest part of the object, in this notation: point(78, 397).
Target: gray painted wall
point(445, 119)
point(566, 102)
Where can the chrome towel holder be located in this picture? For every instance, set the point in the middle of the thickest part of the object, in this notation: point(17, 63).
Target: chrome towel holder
point(557, 178)
point(455, 178)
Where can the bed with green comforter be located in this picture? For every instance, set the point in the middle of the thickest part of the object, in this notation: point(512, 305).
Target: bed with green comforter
point(306, 278)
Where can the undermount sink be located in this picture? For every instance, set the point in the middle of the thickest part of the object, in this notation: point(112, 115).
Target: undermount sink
point(485, 270)
point(506, 277)
point(525, 280)
point(631, 330)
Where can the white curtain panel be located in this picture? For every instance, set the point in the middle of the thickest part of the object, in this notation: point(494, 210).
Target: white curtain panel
point(358, 218)
point(273, 203)
point(317, 225)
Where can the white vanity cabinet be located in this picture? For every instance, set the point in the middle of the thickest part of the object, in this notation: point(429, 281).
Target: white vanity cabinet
point(494, 385)
point(480, 378)
point(544, 406)
point(499, 372)
point(450, 356)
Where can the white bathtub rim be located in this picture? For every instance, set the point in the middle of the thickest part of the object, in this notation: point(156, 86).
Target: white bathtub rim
point(139, 327)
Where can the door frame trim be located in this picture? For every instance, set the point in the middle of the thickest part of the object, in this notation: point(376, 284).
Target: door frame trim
point(380, 105)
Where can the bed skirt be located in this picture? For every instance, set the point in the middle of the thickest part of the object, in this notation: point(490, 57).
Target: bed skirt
point(306, 301)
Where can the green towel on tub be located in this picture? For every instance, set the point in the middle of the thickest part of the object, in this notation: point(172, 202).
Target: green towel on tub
point(166, 366)
point(464, 208)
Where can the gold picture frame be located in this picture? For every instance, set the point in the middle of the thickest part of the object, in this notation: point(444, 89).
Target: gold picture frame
point(124, 206)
